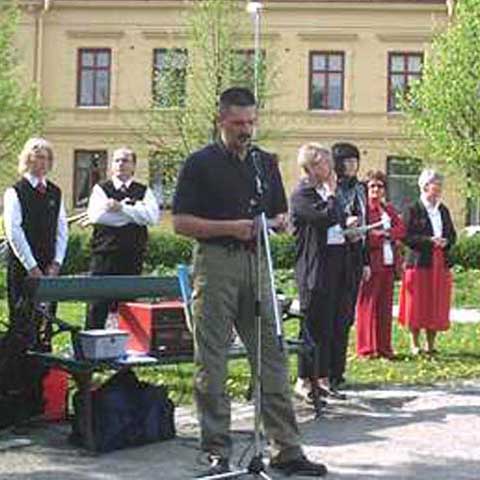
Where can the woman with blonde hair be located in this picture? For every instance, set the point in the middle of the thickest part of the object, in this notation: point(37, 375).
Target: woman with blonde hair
point(427, 281)
point(34, 220)
point(318, 221)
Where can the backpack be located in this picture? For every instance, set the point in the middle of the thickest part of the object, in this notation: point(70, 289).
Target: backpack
point(126, 413)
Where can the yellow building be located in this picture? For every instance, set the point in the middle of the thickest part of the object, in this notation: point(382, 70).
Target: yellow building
point(340, 63)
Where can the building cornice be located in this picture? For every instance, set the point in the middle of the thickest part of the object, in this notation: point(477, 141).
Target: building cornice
point(327, 35)
point(95, 33)
point(406, 36)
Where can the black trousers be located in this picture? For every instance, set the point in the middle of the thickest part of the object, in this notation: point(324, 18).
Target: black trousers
point(322, 335)
point(346, 317)
point(110, 263)
point(25, 319)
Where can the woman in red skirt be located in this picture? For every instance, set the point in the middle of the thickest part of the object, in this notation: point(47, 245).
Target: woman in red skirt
point(427, 280)
point(374, 304)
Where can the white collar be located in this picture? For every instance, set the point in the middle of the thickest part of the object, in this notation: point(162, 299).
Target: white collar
point(117, 183)
point(429, 207)
point(33, 180)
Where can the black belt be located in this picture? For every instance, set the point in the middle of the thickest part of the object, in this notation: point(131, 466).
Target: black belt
point(234, 245)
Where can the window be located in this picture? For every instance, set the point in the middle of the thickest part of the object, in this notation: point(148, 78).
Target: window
point(169, 85)
point(403, 69)
point(473, 211)
point(243, 71)
point(93, 88)
point(327, 71)
point(402, 176)
point(90, 168)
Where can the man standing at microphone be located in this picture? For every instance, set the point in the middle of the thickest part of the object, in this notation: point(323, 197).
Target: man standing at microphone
point(215, 203)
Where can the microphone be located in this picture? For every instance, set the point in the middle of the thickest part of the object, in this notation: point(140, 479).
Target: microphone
point(254, 153)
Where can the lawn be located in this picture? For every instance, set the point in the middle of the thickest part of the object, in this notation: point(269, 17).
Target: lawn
point(459, 356)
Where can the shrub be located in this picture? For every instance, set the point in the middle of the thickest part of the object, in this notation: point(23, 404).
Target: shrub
point(466, 252)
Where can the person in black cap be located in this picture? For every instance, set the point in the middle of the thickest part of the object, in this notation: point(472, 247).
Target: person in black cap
point(353, 197)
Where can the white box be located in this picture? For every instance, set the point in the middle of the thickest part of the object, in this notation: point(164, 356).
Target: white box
point(103, 344)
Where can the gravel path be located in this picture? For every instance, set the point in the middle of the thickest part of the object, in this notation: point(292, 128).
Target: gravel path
point(394, 434)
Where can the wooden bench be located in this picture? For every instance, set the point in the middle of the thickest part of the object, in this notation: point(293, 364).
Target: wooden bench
point(92, 288)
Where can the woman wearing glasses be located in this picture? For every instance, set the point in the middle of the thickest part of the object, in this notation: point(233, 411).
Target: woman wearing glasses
point(374, 304)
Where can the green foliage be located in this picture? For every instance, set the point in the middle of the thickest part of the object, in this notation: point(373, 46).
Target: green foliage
point(443, 111)
point(78, 252)
point(283, 251)
point(21, 114)
point(167, 250)
point(183, 113)
point(466, 252)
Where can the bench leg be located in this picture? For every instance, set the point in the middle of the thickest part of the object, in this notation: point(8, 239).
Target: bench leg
point(83, 381)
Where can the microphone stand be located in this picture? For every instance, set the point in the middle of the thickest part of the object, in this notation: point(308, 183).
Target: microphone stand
point(256, 467)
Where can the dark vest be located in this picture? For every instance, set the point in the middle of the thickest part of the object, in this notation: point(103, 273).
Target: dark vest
point(39, 220)
point(128, 238)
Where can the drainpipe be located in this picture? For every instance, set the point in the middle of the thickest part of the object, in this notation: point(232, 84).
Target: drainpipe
point(47, 4)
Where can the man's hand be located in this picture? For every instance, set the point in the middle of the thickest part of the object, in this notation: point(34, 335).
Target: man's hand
point(53, 269)
point(113, 205)
point(242, 229)
point(35, 272)
point(367, 273)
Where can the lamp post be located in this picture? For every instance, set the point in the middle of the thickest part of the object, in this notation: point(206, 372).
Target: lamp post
point(255, 9)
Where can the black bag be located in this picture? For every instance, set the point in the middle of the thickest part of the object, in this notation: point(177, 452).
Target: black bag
point(126, 413)
point(21, 395)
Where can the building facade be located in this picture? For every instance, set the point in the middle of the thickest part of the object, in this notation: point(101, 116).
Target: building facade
point(340, 65)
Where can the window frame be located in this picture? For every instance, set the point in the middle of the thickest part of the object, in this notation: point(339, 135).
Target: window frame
point(327, 53)
point(405, 73)
point(95, 68)
point(413, 176)
point(165, 50)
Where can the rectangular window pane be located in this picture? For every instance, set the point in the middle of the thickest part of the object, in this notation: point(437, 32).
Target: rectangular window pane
point(103, 59)
point(86, 93)
point(318, 91)
point(102, 87)
point(414, 63)
point(397, 63)
point(319, 62)
point(335, 62)
point(335, 91)
point(87, 58)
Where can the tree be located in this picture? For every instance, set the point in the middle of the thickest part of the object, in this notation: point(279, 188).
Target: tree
point(182, 117)
point(443, 109)
point(21, 114)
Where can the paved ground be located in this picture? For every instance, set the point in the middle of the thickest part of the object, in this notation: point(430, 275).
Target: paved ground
point(394, 434)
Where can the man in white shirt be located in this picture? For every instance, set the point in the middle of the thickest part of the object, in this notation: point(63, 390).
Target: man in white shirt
point(35, 222)
point(120, 210)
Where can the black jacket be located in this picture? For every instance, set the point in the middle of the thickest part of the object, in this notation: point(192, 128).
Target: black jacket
point(311, 216)
point(420, 232)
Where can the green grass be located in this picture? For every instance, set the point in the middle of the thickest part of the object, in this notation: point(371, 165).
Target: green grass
point(459, 348)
